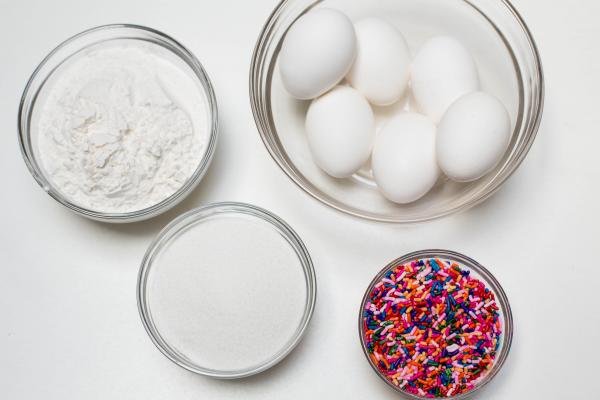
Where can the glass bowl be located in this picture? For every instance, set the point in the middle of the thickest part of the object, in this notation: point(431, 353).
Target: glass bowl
point(509, 68)
point(173, 262)
point(86, 41)
point(478, 271)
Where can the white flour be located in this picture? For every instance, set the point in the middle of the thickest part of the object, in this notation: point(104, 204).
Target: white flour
point(122, 128)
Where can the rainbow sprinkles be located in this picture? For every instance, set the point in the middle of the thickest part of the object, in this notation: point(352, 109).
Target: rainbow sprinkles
point(431, 329)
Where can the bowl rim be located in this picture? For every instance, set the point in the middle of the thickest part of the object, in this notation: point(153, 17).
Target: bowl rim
point(193, 217)
point(491, 282)
point(482, 195)
point(159, 38)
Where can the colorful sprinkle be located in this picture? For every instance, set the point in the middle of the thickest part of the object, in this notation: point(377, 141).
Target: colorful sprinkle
point(431, 328)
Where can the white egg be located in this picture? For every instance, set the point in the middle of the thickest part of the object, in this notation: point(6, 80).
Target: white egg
point(443, 70)
point(340, 126)
point(317, 52)
point(404, 163)
point(473, 136)
point(381, 69)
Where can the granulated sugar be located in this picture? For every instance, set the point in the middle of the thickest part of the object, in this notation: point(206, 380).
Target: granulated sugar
point(228, 293)
point(122, 128)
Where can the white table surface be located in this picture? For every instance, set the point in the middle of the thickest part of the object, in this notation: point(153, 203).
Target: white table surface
point(69, 326)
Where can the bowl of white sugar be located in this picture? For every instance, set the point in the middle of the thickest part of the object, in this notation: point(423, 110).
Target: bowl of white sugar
point(118, 123)
point(227, 290)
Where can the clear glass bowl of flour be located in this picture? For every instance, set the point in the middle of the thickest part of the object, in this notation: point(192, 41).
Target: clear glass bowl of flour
point(226, 290)
point(118, 123)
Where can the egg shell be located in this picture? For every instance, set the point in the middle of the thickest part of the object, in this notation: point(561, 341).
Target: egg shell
point(317, 52)
point(404, 162)
point(473, 136)
point(340, 128)
point(382, 65)
point(443, 70)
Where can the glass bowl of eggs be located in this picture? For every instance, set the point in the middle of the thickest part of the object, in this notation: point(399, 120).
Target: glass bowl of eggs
point(397, 111)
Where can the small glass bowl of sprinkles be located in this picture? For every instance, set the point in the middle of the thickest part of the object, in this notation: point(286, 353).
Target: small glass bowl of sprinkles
point(435, 324)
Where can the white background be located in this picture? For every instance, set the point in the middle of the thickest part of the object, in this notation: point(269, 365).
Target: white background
point(69, 327)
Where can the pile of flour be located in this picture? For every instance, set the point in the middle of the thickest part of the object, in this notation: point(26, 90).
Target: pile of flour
point(122, 128)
